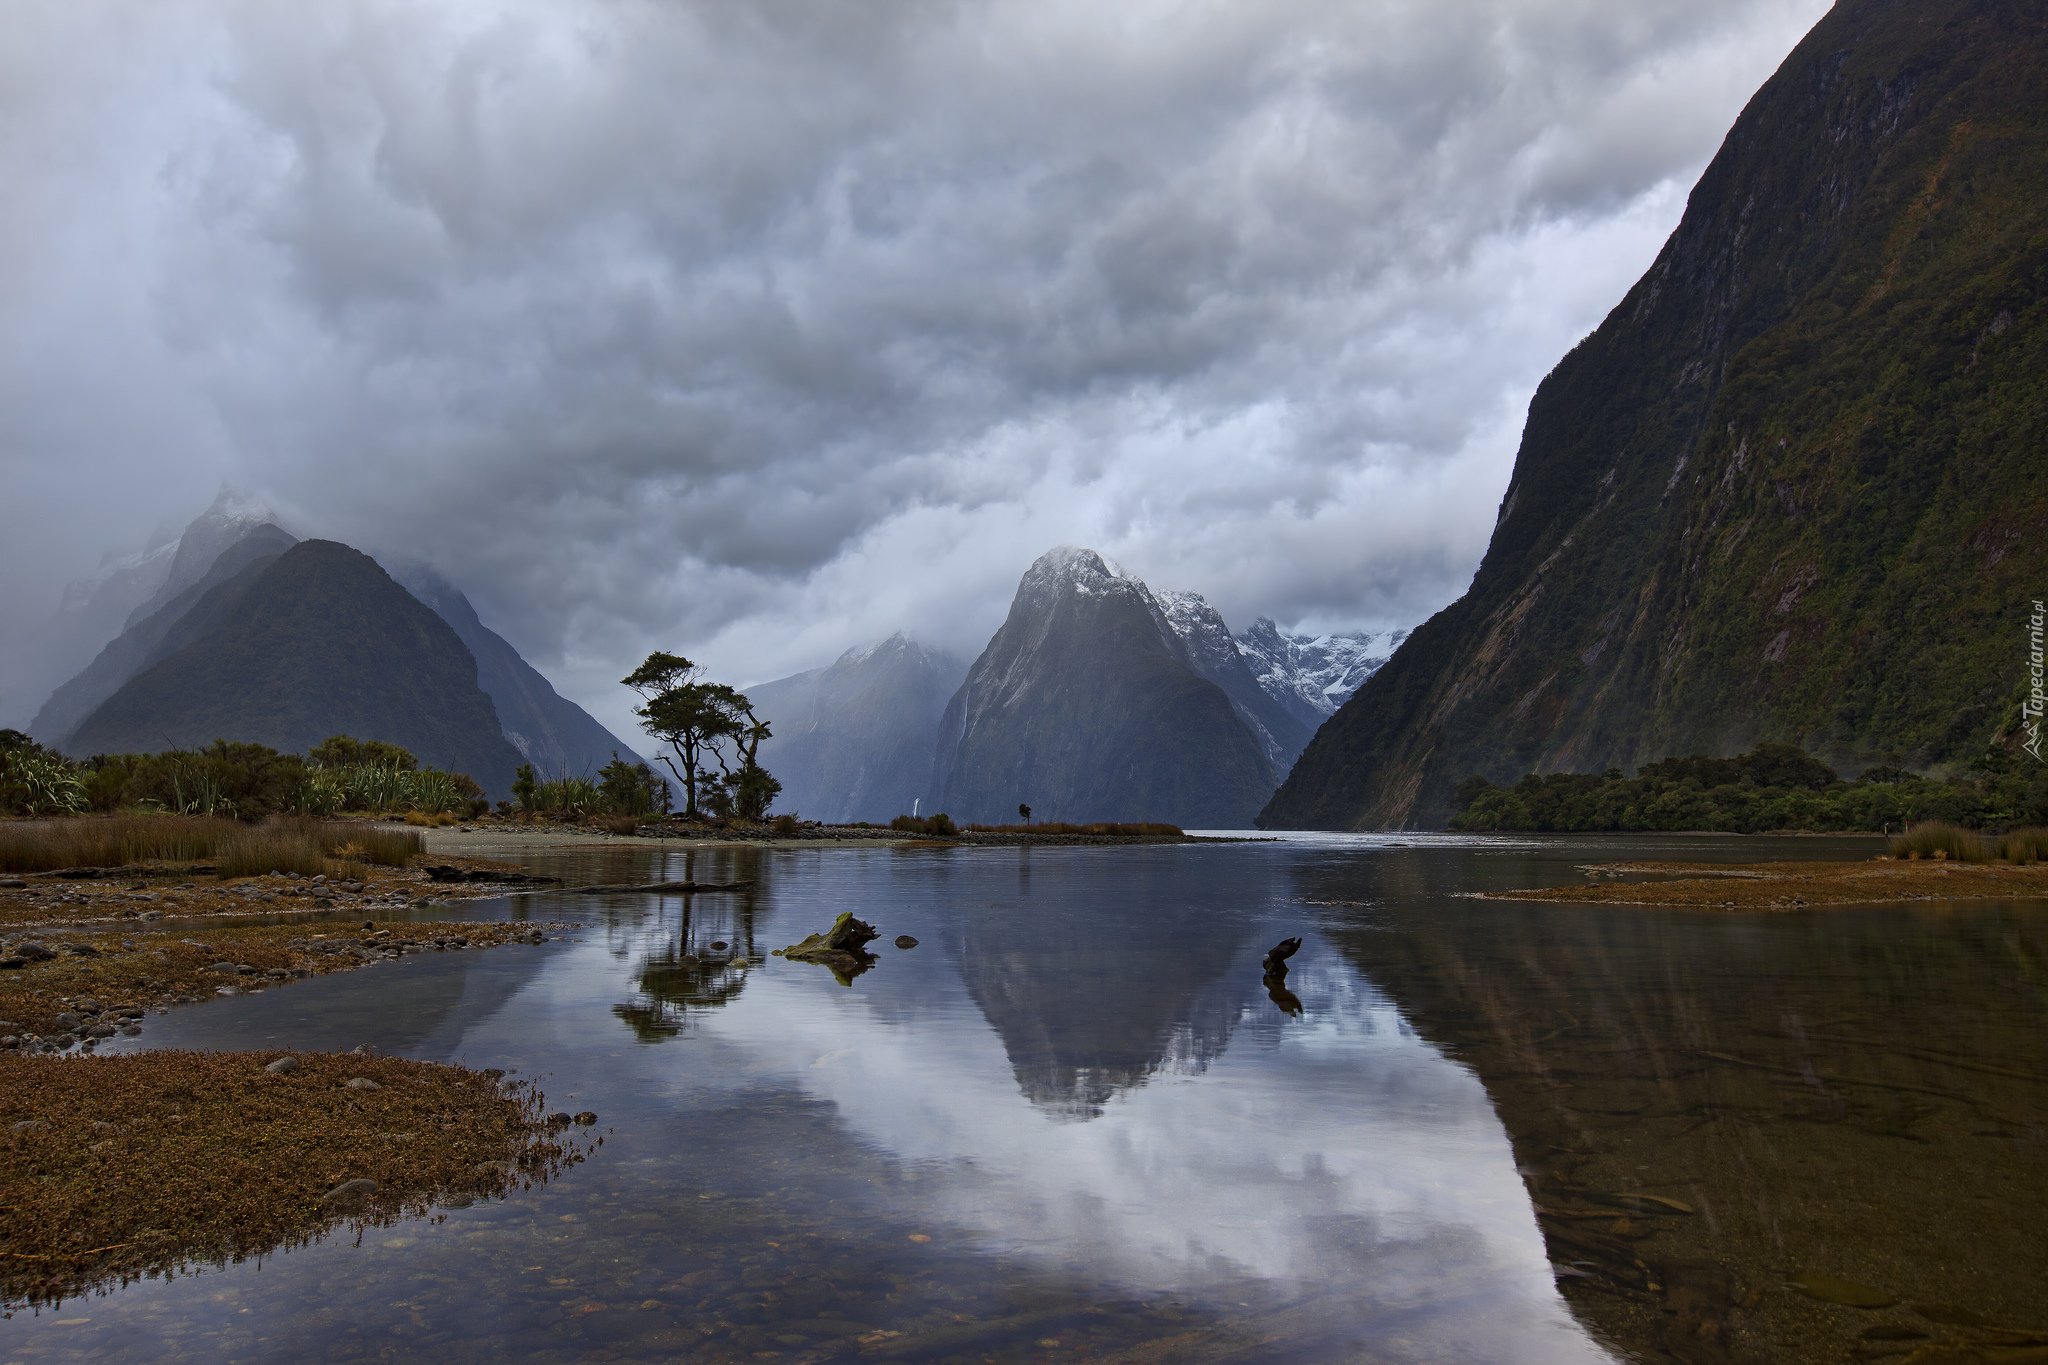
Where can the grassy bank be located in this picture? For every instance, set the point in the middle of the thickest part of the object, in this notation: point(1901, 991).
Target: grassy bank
point(281, 844)
point(112, 1167)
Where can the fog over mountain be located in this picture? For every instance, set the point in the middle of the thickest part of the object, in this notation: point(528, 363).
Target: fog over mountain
point(753, 331)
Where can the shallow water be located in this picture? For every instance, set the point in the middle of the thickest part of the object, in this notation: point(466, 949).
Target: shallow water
point(1073, 1123)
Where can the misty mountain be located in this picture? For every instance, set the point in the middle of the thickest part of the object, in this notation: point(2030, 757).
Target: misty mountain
point(315, 642)
point(126, 588)
point(551, 732)
point(1313, 675)
point(1788, 489)
point(153, 637)
point(855, 741)
point(1086, 706)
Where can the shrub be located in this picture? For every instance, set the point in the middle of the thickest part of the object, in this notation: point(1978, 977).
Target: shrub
point(339, 751)
point(1938, 838)
point(2029, 845)
point(35, 780)
point(941, 823)
point(783, 824)
point(620, 824)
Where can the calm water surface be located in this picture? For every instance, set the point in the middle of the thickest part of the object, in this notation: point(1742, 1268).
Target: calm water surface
point(1074, 1124)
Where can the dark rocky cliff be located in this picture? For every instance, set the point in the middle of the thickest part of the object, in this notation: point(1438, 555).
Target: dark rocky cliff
point(1793, 487)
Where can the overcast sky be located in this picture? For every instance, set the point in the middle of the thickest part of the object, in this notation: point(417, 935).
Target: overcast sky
point(757, 329)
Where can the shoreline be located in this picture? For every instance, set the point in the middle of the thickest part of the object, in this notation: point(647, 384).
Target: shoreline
point(1767, 887)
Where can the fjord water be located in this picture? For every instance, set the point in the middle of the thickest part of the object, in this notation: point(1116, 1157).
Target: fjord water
point(1073, 1123)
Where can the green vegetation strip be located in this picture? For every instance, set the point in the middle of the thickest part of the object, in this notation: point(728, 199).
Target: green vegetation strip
point(116, 1167)
point(1772, 787)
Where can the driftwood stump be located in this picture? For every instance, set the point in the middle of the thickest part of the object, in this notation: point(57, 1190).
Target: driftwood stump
point(1276, 958)
point(841, 948)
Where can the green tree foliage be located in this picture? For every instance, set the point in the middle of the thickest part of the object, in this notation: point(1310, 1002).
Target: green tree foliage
point(249, 781)
point(1774, 786)
point(700, 722)
point(632, 788)
point(340, 751)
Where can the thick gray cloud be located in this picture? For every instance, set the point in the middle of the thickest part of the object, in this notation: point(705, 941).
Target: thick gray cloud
point(757, 330)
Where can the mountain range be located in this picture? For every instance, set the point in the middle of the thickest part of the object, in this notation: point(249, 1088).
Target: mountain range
point(237, 630)
point(1788, 489)
point(1098, 699)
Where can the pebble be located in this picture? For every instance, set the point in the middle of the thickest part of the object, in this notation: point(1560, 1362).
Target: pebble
point(555, 1119)
point(283, 1066)
point(905, 941)
point(32, 1126)
point(587, 1117)
point(227, 967)
point(362, 1083)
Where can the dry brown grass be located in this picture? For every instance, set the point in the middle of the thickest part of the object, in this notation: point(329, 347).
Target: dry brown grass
point(116, 1167)
point(281, 844)
point(1792, 886)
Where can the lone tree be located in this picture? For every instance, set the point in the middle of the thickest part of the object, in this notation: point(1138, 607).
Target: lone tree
point(1024, 810)
point(689, 716)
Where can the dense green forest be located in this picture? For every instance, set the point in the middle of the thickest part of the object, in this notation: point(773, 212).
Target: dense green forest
point(1772, 787)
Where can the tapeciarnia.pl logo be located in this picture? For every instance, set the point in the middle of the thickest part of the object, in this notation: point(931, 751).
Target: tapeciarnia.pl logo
point(2036, 698)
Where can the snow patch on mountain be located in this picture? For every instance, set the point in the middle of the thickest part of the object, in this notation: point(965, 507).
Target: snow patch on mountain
point(1313, 675)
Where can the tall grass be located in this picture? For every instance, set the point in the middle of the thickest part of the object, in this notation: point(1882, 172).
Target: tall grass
point(283, 844)
point(1939, 839)
point(2029, 845)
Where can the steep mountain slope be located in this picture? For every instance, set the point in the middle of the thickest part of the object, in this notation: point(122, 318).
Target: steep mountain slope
point(551, 732)
point(1313, 675)
point(1786, 490)
point(1084, 707)
point(318, 642)
point(855, 741)
point(1211, 652)
point(150, 639)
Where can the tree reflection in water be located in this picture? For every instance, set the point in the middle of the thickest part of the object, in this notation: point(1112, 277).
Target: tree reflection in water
point(692, 973)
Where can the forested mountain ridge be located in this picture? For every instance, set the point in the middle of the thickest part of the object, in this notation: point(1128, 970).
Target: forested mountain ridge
point(1787, 490)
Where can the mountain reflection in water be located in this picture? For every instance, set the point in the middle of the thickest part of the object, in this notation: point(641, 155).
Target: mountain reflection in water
point(1074, 1123)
